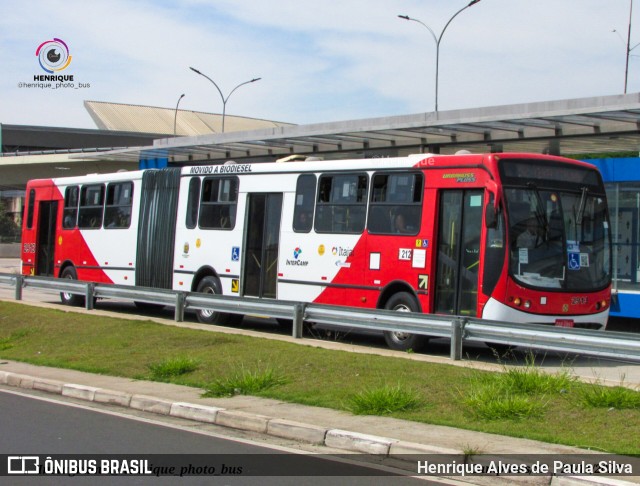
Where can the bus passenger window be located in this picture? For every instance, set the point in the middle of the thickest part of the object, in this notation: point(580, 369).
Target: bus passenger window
point(219, 203)
point(396, 204)
point(303, 210)
point(193, 201)
point(70, 214)
point(342, 202)
point(91, 206)
point(117, 213)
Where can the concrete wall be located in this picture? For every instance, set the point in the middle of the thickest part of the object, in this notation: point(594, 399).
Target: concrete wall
point(9, 250)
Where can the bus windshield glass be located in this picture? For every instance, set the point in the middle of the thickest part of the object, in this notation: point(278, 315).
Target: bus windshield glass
point(558, 227)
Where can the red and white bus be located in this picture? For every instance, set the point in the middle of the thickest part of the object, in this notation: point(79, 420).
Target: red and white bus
point(510, 237)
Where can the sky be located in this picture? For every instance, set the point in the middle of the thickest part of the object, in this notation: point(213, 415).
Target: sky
point(319, 60)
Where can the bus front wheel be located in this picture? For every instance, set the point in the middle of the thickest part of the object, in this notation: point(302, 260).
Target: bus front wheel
point(66, 297)
point(404, 341)
point(211, 285)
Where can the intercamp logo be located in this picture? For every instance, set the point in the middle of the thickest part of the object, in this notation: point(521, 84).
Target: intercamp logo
point(53, 55)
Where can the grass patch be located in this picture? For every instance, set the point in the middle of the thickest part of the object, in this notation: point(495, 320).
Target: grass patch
point(245, 382)
point(172, 367)
point(493, 403)
point(615, 397)
point(5, 343)
point(319, 377)
point(530, 379)
point(518, 393)
point(384, 400)
point(8, 342)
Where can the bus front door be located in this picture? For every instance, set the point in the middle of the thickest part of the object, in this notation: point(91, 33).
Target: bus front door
point(458, 247)
point(262, 241)
point(46, 239)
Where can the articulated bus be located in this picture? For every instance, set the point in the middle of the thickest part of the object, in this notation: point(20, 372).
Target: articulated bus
point(508, 237)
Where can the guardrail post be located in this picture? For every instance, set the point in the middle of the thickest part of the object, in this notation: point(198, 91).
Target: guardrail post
point(19, 285)
point(88, 296)
point(298, 320)
point(456, 339)
point(179, 311)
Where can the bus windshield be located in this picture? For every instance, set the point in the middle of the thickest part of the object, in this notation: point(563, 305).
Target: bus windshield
point(558, 239)
point(558, 236)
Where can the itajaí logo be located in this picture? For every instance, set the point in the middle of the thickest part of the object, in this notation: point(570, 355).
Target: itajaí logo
point(53, 55)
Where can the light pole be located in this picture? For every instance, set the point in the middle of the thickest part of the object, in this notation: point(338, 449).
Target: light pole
point(224, 100)
point(175, 117)
point(438, 39)
point(629, 49)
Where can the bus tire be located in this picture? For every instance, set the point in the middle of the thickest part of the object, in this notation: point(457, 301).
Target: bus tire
point(404, 341)
point(67, 298)
point(211, 285)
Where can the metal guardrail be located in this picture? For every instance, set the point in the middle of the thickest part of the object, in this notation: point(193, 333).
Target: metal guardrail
point(620, 345)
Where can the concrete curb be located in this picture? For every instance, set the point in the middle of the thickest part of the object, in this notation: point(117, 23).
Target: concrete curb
point(353, 441)
point(302, 432)
point(190, 411)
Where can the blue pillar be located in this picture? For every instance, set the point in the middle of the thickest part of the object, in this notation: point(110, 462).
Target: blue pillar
point(153, 163)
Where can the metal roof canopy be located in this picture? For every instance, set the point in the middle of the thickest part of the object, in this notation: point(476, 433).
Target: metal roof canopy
point(577, 126)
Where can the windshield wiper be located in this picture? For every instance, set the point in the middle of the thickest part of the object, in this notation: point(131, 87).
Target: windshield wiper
point(540, 213)
point(581, 206)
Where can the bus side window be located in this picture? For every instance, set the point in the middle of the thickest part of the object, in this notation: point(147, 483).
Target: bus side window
point(70, 214)
point(91, 206)
point(117, 213)
point(31, 208)
point(303, 210)
point(342, 202)
point(396, 204)
point(193, 202)
point(219, 203)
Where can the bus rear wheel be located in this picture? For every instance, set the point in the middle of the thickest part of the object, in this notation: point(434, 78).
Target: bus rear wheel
point(404, 341)
point(66, 297)
point(211, 285)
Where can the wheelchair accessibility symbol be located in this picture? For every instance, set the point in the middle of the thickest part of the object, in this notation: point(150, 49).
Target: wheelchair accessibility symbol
point(574, 261)
point(235, 254)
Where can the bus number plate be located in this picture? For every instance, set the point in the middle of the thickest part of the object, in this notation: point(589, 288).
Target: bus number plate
point(564, 322)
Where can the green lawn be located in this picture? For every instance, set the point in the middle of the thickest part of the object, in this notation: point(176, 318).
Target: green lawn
point(522, 403)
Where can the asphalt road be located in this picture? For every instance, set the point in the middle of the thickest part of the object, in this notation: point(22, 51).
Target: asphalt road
point(33, 425)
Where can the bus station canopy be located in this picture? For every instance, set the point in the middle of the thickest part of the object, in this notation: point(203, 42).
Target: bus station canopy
point(606, 124)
